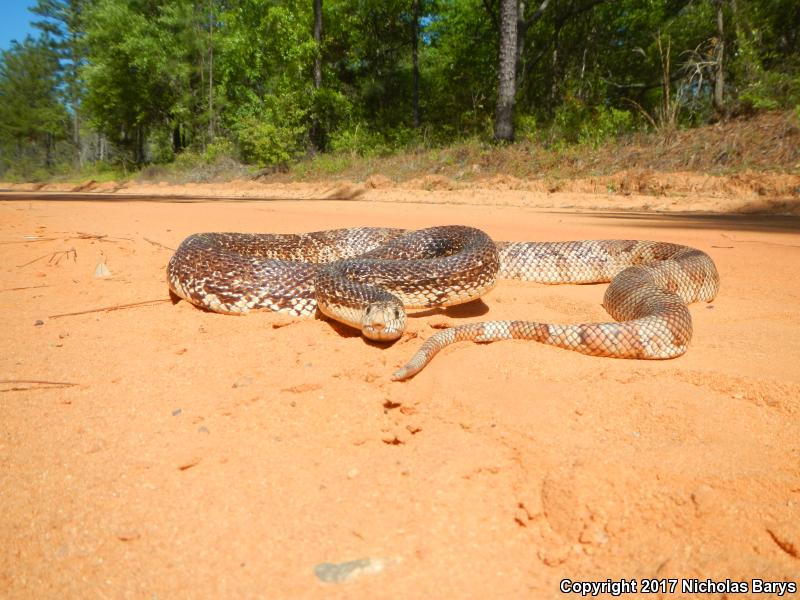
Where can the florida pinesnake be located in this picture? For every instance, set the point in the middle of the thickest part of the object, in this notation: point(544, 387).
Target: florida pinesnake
point(365, 277)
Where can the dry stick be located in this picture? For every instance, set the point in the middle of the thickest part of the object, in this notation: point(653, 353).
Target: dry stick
point(51, 385)
point(90, 236)
point(33, 261)
point(29, 241)
point(64, 254)
point(100, 237)
point(110, 308)
point(52, 257)
point(30, 287)
point(36, 382)
point(158, 244)
point(35, 387)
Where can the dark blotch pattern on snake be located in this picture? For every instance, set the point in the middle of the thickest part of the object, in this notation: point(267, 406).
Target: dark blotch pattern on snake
point(365, 277)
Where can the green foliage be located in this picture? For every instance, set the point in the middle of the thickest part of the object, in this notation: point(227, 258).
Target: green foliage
point(100, 171)
point(29, 107)
point(771, 90)
point(330, 108)
point(219, 150)
point(265, 142)
point(129, 76)
point(575, 122)
point(357, 140)
point(527, 127)
point(62, 23)
point(609, 122)
point(192, 83)
point(327, 164)
point(272, 131)
point(159, 147)
point(32, 119)
point(461, 61)
point(366, 53)
point(264, 59)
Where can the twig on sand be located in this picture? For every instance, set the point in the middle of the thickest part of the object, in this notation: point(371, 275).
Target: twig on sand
point(158, 244)
point(28, 287)
point(63, 254)
point(110, 308)
point(49, 385)
point(28, 241)
point(30, 262)
point(55, 257)
point(100, 237)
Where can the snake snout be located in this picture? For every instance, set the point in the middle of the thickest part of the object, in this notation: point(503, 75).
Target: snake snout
point(383, 321)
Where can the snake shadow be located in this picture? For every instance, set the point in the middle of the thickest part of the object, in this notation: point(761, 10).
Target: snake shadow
point(475, 308)
point(343, 330)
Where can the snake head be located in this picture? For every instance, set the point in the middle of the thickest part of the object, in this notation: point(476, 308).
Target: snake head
point(383, 321)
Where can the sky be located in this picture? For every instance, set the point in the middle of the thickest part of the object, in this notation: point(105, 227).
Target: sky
point(15, 21)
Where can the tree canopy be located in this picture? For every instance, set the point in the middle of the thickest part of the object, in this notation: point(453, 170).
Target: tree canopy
point(143, 81)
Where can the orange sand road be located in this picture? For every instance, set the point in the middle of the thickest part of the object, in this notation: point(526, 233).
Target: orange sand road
point(159, 451)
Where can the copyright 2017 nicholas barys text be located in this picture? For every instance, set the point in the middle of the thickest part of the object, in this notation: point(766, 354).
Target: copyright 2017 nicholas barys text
point(619, 587)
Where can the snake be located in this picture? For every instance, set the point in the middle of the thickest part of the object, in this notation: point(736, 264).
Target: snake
point(367, 277)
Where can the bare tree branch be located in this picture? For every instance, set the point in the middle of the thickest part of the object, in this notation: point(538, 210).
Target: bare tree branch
point(537, 14)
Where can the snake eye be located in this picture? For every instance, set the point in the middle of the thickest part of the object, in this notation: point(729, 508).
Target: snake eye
point(396, 313)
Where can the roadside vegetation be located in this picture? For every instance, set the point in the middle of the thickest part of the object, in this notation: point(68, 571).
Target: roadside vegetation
point(276, 89)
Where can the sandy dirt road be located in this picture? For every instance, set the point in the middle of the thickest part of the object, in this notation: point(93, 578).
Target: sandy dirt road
point(159, 451)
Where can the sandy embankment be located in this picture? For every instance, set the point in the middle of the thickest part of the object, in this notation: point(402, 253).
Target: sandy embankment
point(162, 451)
point(634, 189)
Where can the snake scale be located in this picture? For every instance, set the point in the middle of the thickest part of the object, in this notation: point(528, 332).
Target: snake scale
point(366, 277)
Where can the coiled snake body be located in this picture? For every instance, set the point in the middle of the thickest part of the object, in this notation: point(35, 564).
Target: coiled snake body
point(365, 277)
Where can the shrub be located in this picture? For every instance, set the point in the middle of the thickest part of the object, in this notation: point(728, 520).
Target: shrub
point(526, 127)
point(575, 122)
point(357, 139)
point(218, 150)
point(771, 90)
point(609, 122)
point(159, 147)
point(272, 130)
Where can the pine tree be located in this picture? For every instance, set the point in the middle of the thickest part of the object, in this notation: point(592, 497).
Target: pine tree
point(507, 72)
point(31, 117)
point(62, 22)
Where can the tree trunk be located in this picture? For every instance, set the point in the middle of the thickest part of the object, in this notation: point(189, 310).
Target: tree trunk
point(507, 72)
point(719, 75)
point(318, 42)
point(415, 61)
point(76, 132)
point(211, 131)
point(75, 99)
point(317, 133)
point(49, 144)
point(522, 29)
point(139, 152)
point(176, 139)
